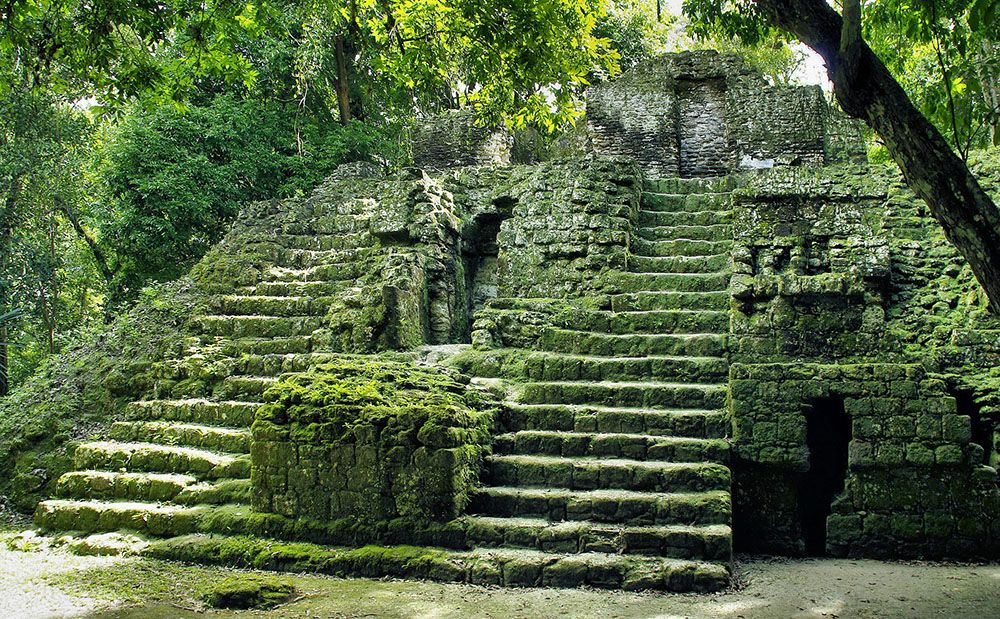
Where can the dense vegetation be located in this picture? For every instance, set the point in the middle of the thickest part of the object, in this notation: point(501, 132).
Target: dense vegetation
point(131, 133)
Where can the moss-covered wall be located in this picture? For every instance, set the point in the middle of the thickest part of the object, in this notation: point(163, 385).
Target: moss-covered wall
point(371, 440)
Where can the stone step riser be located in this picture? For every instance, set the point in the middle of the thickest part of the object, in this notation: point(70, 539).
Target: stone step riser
point(97, 518)
point(326, 273)
point(641, 301)
point(556, 418)
point(299, 344)
point(306, 258)
point(647, 396)
point(674, 202)
point(680, 247)
point(106, 485)
point(256, 326)
point(679, 264)
point(151, 460)
point(572, 538)
point(271, 306)
point(721, 232)
point(631, 447)
point(657, 218)
point(678, 282)
point(526, 471)
point(651, 322)
point(226, 414)
point(215, 439)
point(586, 343)
point(648, 509)
point(323, 242)
point(355, 228)
point(244, 388)
point(550, 367)
point(719, 184)
point(314, 290)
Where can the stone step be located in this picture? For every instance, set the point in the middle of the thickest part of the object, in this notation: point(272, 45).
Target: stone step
point(679, 264)
point(277, 364)
point(557, 366)
point(244, 388)
point(203, 412)
point(295, 344)
point(612, 445)
point(679, 247)
point(327, 273)
point(106, 516)
point(314, 290)
point(215, 438)
point(510, 567)
point(712, 542)
point(719, 232)
point(151, 487)
point(591, 473)
point(718, 300)
point(643, 394)
point(623, 507)
point(611, 419)
point(679, 282)
point(648, 321)
point(153, 458)
point(632, 345)
point(291, 239)
point(674, 202)
point(299, 258)
point(712, 184)
point(256, 326)
point(253, 305)
point(658, 218)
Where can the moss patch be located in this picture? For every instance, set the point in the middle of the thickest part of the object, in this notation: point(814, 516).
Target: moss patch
point(247, 591)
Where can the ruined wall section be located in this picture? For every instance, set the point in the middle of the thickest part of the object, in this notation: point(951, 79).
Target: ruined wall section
point(455, 139)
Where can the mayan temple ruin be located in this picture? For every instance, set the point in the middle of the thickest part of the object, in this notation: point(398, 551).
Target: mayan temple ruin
point(701, 325)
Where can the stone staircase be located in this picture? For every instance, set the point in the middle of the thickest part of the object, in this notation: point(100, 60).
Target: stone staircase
point(184, 454)
point(610, 470)
point(615, 442)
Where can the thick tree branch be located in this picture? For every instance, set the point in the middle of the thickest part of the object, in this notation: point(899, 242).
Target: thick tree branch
point(99, 257)
point(867, 90)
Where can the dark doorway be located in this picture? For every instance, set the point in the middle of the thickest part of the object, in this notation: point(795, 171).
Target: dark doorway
point(828, 431)
point(702, 148)
point(480, 257)
point(982, 427)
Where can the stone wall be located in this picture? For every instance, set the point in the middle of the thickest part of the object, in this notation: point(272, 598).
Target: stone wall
point(707, 114)
point(454, 139)
point(915, 484)
point(369, 440)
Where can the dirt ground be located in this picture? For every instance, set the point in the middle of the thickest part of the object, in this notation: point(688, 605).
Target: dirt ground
point(52, 583)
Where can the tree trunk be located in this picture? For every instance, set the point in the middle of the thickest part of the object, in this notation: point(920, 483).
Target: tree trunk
point(99, 257)
point(343, 88)
point(866, 90)
point(5, 233)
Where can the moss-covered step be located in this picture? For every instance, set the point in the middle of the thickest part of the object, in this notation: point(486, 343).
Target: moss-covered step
point(679, 264)
point(215, 438)
point(292, 239)
point(246, 388)
point(708, 185)
point(648, 321)
point(298, 258)
point(681, 282)
point(590, 473)
point(153, 458)
point(616, 419)
point(512, 567)
point(711, 542)
point(718, 300)
point(632, 345)
point(624, 507)
point(296, 344)
point(348, 271)
point(686, 202)
point(658, 218)
point(255, 305)
point(621, 393)
point(520, 364)
point(718, 232)
point(679, 247)
point(116, 485)
point(315, 290)
point(612, 445)
point(216, 492)
point(204, 412)
point(256, 326)
point(106, 516)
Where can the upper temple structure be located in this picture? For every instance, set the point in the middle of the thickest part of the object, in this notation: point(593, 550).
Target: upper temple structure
point(705, 323)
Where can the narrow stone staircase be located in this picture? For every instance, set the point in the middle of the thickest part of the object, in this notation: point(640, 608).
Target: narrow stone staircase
point(184, 454)
point(615, 445)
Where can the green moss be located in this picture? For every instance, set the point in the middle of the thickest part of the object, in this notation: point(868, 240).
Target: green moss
point(247, 591)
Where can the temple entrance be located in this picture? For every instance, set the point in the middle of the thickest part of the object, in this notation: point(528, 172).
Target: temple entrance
point(701, 128)
point(480, 260)
point(828, 432)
